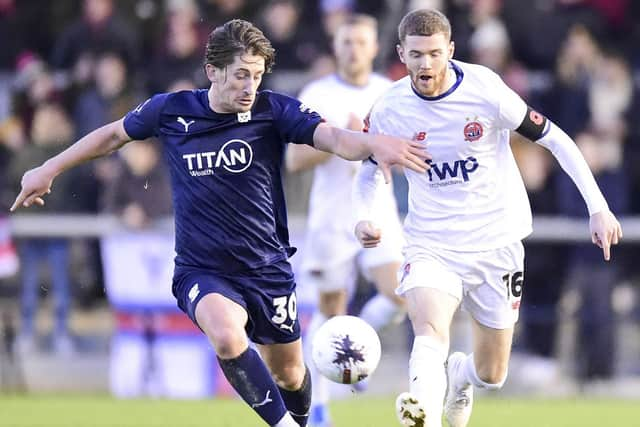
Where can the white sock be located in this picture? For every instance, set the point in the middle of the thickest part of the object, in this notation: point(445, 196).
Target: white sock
point(321, 385)
point(287, 421)
point(467, 374)
point(427, 376)
point(380, 311)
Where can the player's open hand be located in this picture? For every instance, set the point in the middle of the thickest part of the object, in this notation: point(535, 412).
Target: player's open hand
point(388, 151)
point(368, 234)
point(605, 231)
point(35, 184)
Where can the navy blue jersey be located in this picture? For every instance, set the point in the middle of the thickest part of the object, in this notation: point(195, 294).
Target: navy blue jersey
point(230, 212)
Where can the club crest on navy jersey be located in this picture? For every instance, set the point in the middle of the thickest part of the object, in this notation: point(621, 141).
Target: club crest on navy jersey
point(244, 116)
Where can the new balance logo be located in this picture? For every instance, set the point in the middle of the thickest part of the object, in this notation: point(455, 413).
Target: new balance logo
point(185, 123)
point(194, 292)
point(266, 400)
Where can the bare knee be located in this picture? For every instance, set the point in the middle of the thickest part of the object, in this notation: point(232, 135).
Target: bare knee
point(228, 342)
point(289, 377)
point(423, 327)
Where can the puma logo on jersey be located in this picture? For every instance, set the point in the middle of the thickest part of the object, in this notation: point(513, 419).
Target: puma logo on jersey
point(185, 123)
point(266, 400)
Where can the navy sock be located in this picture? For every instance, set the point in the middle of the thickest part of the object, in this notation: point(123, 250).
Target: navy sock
point(298, 401)
point(250, 377)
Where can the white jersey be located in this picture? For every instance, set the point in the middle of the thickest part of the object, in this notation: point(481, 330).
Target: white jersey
point(473, 198)
point(331, 219)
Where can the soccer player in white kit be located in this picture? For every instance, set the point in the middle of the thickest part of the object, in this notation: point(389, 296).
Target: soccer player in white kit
point(332, 255)
point(467, 215)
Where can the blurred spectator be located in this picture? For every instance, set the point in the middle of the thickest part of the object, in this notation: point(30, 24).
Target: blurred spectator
point(299, 49)
point(33, 85)
point(18, 32)
point(99, 29)
point(536, 27)
point(568, 99)
point(217, 12)
point(179, 54)
point(467, 17)
point(108, 98)
point(140, 192)
point(51, 131)
point(544, 263)
point(490, 47)
point(590, 281)
point(11, 139)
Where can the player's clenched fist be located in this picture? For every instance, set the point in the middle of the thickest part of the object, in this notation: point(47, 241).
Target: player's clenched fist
point(368, 234)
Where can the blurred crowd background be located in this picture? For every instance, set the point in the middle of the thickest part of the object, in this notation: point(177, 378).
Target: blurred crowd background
point(69, 66)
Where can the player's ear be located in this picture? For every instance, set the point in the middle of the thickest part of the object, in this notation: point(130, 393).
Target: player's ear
point(210, 70)
point(400, 51)
point(452, 48)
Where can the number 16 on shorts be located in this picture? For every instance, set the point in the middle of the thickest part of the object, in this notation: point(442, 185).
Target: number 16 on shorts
point(514, 282)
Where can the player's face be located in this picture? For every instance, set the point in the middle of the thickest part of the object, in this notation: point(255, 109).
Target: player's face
point(233, 88)
point(355, 47)
point(427, 60)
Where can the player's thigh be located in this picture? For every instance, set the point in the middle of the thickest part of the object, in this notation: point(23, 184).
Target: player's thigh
point(491, 351)
point(431, 311)
point(433, 291)
point(285, 361)
point(493, 285)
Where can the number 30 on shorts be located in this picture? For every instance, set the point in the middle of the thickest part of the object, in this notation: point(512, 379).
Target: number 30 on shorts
point(514, 282)
point(286, 308)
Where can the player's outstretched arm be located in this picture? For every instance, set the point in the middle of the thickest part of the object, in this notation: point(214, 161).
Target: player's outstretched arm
point(386, 149)
point(37, 182)
point(604, 227)
point(301, 157)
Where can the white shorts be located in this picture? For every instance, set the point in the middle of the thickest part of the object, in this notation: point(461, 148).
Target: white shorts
point(488, 283)
point(344, 274)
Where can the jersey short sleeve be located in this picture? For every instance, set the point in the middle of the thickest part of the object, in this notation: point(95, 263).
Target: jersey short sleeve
point(511, 108)
point(294, 120)
point(142, 122)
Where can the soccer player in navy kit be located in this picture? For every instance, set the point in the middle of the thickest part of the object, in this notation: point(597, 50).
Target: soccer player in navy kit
point(224, 148)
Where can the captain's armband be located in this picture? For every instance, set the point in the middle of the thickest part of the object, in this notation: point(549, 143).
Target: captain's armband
point(534, 125)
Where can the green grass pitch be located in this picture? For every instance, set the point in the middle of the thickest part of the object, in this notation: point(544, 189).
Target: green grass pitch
point(103, 411)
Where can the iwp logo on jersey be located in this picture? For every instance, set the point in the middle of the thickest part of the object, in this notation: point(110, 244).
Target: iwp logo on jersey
point(445, 169)
point(235, 156)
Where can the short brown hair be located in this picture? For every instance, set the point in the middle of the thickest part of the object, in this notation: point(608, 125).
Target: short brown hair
point(424, 22)
point(234, 38)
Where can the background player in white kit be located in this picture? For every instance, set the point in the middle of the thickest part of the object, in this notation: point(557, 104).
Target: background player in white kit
point(332, 255)
point(467, 215)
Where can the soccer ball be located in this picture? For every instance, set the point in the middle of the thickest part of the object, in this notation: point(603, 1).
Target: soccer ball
point(346, 349)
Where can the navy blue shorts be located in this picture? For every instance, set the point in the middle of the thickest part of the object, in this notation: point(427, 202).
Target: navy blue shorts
point(267, 294)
